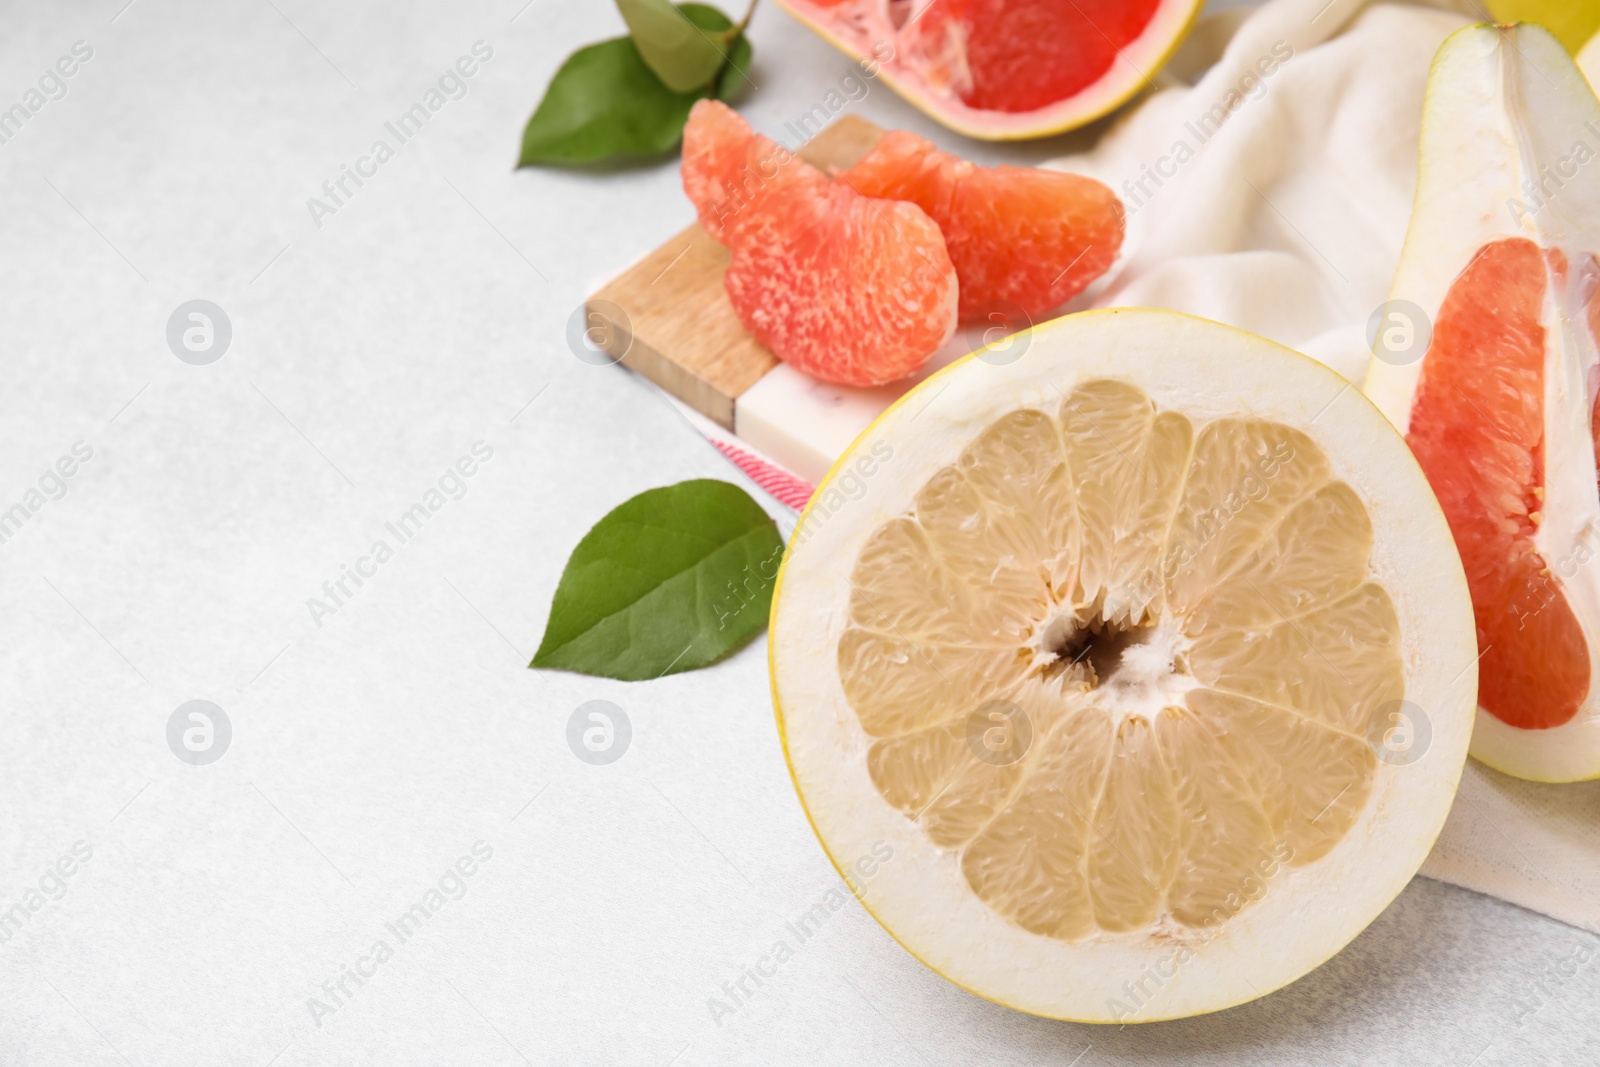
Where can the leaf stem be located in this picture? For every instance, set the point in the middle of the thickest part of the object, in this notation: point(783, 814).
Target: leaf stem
point(744, 22)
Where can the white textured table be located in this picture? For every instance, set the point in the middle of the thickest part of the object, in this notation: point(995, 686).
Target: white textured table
point(378, 743)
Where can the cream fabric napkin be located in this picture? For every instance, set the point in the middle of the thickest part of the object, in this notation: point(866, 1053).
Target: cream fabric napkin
point(1273, 194)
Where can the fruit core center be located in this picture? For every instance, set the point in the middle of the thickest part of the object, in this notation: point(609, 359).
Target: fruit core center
point(1099, 647)
point(1133, 668)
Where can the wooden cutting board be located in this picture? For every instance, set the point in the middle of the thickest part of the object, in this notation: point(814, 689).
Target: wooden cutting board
point(667, 317)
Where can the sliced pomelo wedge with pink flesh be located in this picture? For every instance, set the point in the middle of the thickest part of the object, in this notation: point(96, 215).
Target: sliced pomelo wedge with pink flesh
point(1020, 237)
point(1500, 408)
point(1006, 69)
point(842, 287)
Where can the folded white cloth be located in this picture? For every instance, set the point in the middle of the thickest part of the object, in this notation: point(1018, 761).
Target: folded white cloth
point(1274, 194)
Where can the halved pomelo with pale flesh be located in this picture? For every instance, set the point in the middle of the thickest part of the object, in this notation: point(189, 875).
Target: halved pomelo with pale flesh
point(843, 287)
point(1023, 240)
point(1146, 655)
point(1006, 69)
point(1500, 402)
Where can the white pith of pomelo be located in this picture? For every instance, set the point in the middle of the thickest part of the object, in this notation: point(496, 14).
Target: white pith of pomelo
point(1509, 133)
point(865, 30)
point(1296, 916)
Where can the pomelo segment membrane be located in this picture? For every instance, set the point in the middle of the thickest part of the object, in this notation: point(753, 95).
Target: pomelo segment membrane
point(1006, 68)
point(845, 288)
point(1022, 239)
point(1500, 408)
point(1108, 655)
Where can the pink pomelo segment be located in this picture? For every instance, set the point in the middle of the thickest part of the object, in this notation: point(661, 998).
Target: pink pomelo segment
point(1020, 55)
point(1477, 429)
point(1018, 236)
point(840, 286)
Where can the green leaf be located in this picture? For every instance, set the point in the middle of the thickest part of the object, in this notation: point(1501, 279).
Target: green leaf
point(732, 79)
point(683, 56)
point(605, 101)
point(672, 580)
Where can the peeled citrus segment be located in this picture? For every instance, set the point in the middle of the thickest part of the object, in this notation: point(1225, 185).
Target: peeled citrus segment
point(1020, 237)
point(1481, 395)
point(1006, 68)
point(731, 173)
point(1498, 397)
point(1100, 657)
point(842, 287)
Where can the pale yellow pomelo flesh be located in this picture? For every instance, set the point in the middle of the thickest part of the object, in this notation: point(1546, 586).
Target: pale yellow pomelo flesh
point(1107, 655)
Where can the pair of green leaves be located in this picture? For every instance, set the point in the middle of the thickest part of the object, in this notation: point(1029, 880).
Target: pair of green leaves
point(674, 579)
point(630, 96)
